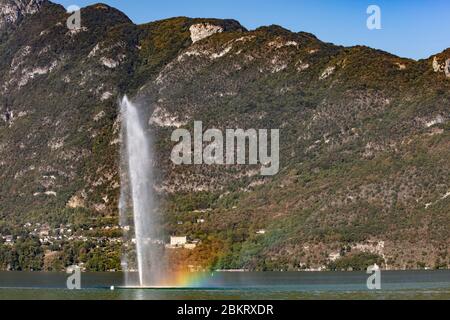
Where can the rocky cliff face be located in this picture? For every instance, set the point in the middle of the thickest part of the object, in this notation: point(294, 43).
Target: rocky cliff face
point(364, 136)
point(203, 30)
point(441, 64)
point(13, 11)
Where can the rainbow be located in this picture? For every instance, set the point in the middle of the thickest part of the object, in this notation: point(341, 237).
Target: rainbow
point(187, 279)
point(180, 281)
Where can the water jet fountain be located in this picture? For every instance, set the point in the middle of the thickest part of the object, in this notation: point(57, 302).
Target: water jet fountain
point(143, 244)
point(137, 205)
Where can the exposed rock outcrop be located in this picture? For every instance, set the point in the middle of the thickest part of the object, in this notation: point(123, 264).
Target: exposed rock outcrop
point(13, 11)
point(441, 65)
point(447, 68)
point(203, 30)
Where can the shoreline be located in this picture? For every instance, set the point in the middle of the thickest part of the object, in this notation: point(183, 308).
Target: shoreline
point(236, 271)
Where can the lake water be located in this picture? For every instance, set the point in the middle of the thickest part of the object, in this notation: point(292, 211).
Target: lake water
point(234, 286)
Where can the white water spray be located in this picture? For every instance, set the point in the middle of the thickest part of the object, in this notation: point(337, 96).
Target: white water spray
point(137, 196)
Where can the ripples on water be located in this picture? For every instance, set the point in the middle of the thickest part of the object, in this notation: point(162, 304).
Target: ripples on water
point(233, 286)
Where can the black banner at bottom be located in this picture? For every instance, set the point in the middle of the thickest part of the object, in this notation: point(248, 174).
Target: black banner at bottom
point(221, 309)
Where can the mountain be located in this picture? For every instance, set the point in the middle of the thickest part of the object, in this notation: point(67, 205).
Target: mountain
point(364, 143)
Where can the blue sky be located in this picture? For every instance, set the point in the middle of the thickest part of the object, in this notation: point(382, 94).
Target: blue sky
point(414, 29)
